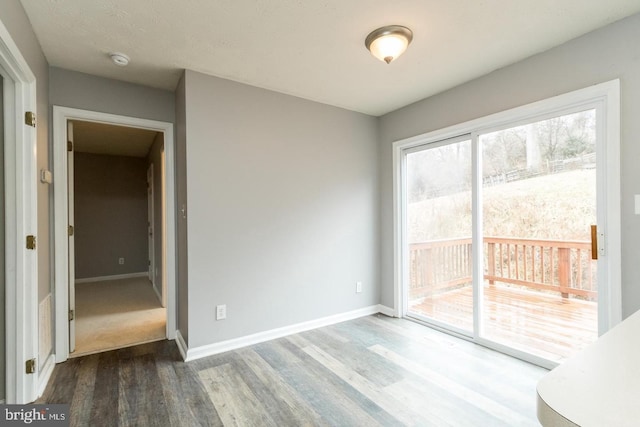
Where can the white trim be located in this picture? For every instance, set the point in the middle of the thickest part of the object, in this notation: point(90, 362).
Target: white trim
point(233, 344)
point(21, 272)
point(113, 277)
point(611, 190)
point(399, 251)
point(606, 98)
point(182, 346)
point(60, 117)
point(155, 290)
point(387, 311)
point(477, 233)
point(45, 373)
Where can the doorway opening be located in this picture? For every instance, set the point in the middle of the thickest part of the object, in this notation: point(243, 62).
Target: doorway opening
point(110, 293)
point(116, 297)
point(509, 227)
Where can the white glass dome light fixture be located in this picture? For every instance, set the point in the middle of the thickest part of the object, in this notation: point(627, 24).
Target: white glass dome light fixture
point(389, 42)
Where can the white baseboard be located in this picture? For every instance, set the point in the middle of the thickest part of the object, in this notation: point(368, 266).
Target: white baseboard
point(45, 373)
point(114, 277)
point(387, 311)
point(233, 344)
point(182, 346)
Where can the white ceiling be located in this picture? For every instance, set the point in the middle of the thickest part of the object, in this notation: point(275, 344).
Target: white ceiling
point(100, 138)
point(313, 49)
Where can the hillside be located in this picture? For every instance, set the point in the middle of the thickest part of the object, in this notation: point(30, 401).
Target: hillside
point(557, 206)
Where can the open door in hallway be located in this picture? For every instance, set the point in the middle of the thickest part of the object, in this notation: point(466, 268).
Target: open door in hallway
point(151, 225)
point(106, 200)
point(71, 245)
point(113, 299)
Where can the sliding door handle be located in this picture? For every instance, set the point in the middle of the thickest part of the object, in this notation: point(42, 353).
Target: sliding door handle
point(594, 242)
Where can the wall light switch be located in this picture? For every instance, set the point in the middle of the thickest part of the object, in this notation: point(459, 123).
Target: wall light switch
point(221, 312)
point(358, 287)
point(637, 204)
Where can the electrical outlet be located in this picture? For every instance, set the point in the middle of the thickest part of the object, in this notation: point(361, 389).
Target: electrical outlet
point(221, 312)
point(358, 287)
point(121, 261)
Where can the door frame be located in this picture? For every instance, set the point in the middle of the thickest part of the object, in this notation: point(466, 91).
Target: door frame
point(60, 117)
point(607, 96)
point(151, 227)
point(21, 270)
point(71, 239)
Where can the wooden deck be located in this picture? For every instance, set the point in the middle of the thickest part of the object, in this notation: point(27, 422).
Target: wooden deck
point(543, 324)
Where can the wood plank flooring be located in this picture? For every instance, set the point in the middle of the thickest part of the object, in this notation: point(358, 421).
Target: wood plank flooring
point(546, 325)
point(370, 371)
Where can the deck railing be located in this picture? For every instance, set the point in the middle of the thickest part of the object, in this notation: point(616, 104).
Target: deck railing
point(558, 266)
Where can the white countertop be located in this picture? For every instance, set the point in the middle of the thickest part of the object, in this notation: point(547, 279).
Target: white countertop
point(598, 387)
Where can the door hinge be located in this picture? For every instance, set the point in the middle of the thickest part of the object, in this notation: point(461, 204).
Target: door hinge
point(31, 242)
point(71, 230)
point(69, 146)
point(30, 118)
point(30, 366)
point(72, 315)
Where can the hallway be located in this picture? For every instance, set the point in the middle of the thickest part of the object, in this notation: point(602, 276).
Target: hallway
point(117, 313)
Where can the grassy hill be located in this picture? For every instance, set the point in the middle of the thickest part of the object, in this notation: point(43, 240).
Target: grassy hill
point(558, 206)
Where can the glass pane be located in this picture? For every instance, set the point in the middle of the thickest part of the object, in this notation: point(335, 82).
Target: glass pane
point(539, 201)
point(439, 232)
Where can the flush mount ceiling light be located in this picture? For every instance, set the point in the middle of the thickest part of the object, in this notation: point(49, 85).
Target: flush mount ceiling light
point(388, 43)
point(119, 59)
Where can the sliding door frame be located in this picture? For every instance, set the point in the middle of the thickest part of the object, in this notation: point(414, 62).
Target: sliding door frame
point(605, 98)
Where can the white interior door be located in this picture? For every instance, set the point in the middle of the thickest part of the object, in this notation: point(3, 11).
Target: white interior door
point(150, 225)
point(72, 266)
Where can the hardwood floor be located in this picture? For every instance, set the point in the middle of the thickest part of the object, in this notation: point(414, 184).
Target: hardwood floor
point(370, 371)
point(546, 325)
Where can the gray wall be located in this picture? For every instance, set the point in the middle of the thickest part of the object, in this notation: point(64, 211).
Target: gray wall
point(15, 20)
point(283, 209)
point(609, 53)
point(182, 287)
point(110, 215)
point(87, 92)
point(155, 158)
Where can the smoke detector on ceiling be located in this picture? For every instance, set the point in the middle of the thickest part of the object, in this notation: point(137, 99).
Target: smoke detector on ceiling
point(119, 59)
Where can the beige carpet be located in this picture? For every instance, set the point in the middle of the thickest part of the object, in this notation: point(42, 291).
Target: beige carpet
point(117, 313)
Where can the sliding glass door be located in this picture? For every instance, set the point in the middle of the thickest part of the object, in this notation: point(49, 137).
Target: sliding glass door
point(540, 288)
point(439, 228)
point(500, 231)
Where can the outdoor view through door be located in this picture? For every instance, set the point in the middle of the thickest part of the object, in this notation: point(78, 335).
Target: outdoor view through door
point(536, 199)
